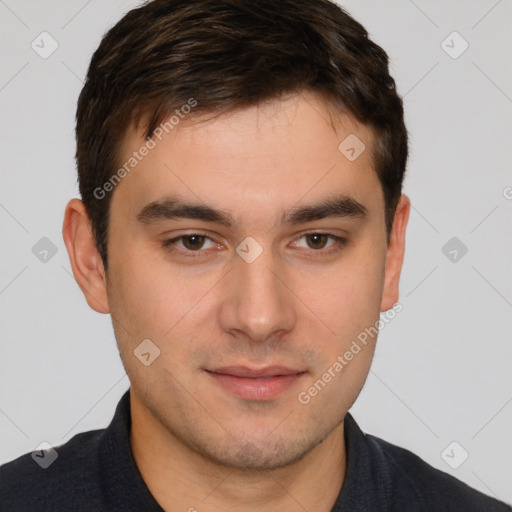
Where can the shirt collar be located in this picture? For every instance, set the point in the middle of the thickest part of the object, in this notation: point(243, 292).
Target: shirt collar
point(366, 485)
point(124, 487)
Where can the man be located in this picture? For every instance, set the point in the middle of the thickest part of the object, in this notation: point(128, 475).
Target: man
point(240, 166)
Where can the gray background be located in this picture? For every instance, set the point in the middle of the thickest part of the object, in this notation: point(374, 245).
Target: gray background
point(442, 369)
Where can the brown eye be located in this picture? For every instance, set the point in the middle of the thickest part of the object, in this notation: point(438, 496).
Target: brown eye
point(320, 243)
point(193, 242)
point(188, 244)
point(317, 240)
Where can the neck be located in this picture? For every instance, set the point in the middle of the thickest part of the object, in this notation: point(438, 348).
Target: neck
point(181, 479)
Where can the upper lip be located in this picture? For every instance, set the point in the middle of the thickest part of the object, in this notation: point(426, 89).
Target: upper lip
point(245, 371)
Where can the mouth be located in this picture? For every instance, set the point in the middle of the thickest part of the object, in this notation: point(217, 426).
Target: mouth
point(256, 384)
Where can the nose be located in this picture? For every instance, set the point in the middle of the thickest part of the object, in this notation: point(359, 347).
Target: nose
point(257, 303)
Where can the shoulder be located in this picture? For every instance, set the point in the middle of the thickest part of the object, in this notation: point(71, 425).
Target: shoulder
point(62, 476)
point(434, 489)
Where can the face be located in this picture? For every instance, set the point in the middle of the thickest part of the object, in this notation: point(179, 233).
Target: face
point(284, 263)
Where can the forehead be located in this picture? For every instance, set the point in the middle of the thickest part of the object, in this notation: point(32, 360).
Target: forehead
point(262, 158)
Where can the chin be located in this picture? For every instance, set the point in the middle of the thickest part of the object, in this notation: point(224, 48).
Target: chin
point(262, 455)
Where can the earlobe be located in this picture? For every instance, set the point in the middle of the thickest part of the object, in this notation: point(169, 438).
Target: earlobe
point(395, 255)
point(84, 256)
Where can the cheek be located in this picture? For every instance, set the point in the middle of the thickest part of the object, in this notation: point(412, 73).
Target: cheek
point(150, 302)
point(347, 297)
point(348, 303)
point(151, 297)
point(154, 299)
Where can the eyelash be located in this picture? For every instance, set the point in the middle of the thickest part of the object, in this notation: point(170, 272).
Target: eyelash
point(168, 244)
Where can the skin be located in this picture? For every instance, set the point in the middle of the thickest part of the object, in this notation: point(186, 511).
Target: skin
point(196, 444)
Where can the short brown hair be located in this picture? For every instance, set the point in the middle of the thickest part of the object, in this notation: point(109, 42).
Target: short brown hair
point(231, 54)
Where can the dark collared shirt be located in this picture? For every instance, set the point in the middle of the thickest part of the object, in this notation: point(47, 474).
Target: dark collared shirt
point(96, 471)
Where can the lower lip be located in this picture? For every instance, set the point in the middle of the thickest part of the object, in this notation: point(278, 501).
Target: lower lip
point(258, 389)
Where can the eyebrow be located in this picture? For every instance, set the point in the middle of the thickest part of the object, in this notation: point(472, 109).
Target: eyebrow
point(171, 208)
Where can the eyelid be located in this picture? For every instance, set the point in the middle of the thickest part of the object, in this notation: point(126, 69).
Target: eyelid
point(169, 243)
point(339, 241)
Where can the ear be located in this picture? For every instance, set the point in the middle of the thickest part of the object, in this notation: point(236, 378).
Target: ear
point(395, 254)
point(84, 256)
